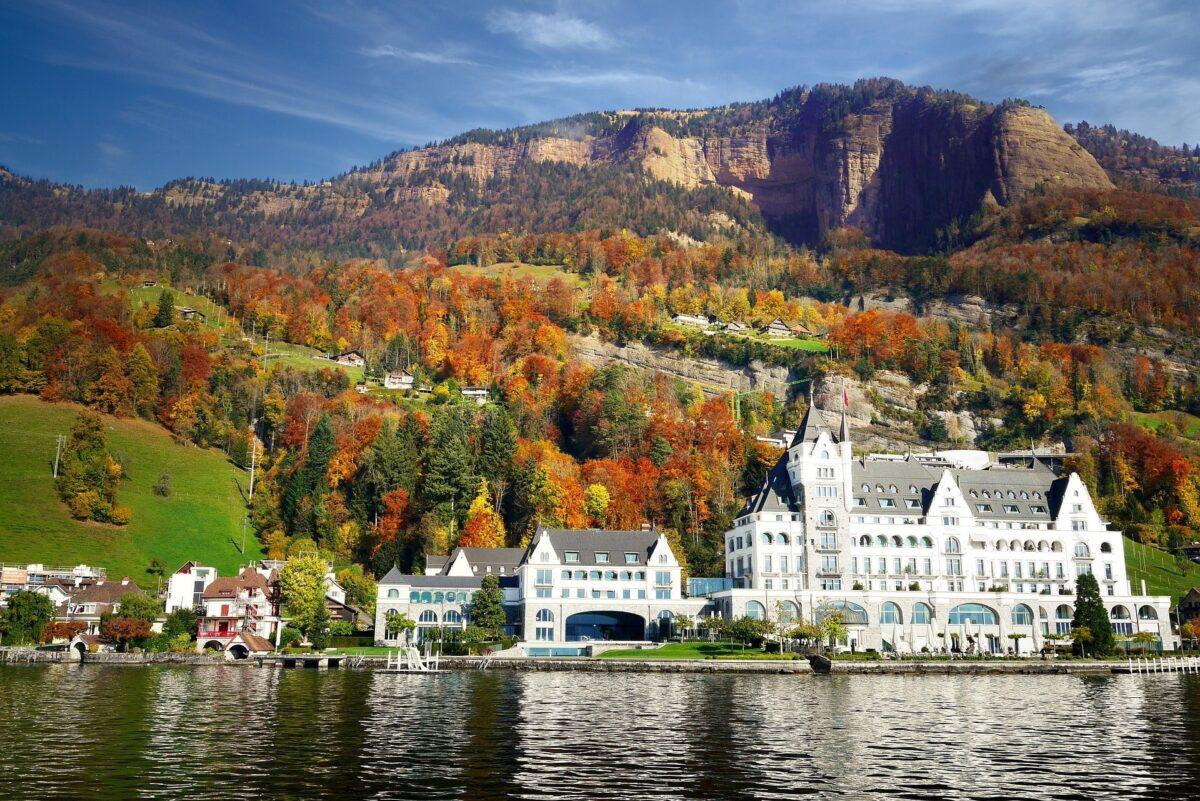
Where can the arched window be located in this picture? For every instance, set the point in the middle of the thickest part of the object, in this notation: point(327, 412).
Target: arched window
point(1056, 547)
point(864, 540)
point(452, 616)
point(827, 518)
point(852, 614)
point(926, 542)
point(890, 613)
point(1022, 615)
point(897, 542)
point(755, 610)
point(1024, 495)
point(1147, 612)
point(911, 542)
point(1001, 545)
point(1063, 612)
point(788, 610)
point(1043, 545)
point(1105, 548)
point(973, 494)
point(439, 597)
point(1121, 622)
point(892, 488)
point(1029, 546)
point(393, 593)
point(824, 454)
point(414, 597)
point(879, 488)
point(1120, 613)
point(976, 614)
point(952, 545)
point(922, 613)
point(428, 616)
point(912, 489)
point(451, 597)
point(1082, 550)
point(866, 487)
point(666, 614)
point(544, 616)
point(784, 539)
point(881, 540)
point(987, 494)
point(767, 539)
point(1015, 545)
point(427, 597)
point(1012, 494)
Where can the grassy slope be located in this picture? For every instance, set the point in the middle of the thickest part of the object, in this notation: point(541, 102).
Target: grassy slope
point(200, 520)
point(1163, 576)
point(540, 273)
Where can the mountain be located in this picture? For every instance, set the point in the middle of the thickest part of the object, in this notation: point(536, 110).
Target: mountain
point(904, 164)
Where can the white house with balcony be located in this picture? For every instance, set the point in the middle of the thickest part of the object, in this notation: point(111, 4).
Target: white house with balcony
point(944, 551)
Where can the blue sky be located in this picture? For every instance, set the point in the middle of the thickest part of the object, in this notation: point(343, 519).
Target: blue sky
point(140, 92)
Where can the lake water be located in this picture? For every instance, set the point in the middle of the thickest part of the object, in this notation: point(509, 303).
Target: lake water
point(111, 732)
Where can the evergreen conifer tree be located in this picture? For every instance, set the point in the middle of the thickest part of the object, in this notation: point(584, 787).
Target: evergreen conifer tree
point(1091, 614)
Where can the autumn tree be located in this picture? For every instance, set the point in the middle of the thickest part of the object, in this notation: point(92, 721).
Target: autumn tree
point(302, 586)
point(483, 527)
point(88, 474)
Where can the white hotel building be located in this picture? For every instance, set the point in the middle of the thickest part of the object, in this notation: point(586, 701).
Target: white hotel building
point(940, 551)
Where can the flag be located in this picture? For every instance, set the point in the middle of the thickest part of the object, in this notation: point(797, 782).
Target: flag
point(845, 399)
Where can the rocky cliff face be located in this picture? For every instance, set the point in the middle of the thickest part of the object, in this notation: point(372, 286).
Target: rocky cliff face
point(901, 167)
point(898, 162)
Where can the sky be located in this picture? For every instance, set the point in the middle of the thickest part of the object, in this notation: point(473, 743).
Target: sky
point(137, 93)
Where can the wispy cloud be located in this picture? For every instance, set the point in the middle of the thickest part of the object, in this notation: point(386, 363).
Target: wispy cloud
point(422, 56)
point(175, 54)
point(557, 30)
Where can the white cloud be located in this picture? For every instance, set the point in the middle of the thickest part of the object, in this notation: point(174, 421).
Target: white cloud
point(423, 56)
point(555, 30)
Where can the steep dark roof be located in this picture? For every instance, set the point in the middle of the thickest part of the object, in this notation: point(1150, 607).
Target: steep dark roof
point(481, 559)
point(588, 542)
point(815, 421)
point(775, 494)
point(394, 576)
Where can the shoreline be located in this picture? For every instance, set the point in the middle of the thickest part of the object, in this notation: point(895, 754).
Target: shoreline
point(590, 665)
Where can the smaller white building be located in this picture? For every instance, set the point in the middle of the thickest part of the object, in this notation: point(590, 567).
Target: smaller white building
point(350, 358)
point(398, 379)
point(477, 394)
point(185, 588)
point(693, 320)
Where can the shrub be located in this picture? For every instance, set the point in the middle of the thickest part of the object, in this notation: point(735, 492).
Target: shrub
point(289, 636)
point(162, 487)
point(119, 515)
point(341, 628)
point(81, 504)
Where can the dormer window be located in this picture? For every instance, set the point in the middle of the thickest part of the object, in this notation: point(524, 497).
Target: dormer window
point(912, 489)
point(892, 488)
point(879, 488)
point(1012, 494)
point(987, 494)
point(601, 558)
point(631, 558)
point(571, 556)
point(1011, 509)
point(866, 487)
point(912, 503)
point(974, 494)
point(1024, 495)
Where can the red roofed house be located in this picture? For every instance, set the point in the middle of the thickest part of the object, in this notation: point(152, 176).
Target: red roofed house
point(245, 604)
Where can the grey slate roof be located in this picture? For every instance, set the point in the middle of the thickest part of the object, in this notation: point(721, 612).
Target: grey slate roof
point(588, 542)
point(395, 577)
point(996, 482)
point(775, 494)
point(481, 559)
point(435, 562)
point(815, 421)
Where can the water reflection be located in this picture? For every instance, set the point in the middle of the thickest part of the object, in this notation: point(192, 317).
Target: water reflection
point(172, 732)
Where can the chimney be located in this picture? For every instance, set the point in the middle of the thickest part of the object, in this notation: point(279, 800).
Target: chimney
point(646, 526)
point(125, 581)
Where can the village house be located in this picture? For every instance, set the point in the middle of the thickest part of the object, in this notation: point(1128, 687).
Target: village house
point(88, 602)
point(188, 313)
point(248, 602)
point(185, 588)
point(477, 394)
point(398, 379)
point(1189, 606)
point(53, 582)
point(350, 358)
point(736, 327)
point(693, 320)
point(781, 329)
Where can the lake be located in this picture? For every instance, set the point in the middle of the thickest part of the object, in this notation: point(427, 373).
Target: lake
point(169, 732)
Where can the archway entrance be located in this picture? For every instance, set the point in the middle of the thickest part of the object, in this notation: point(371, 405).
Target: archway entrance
point(239, 651)
point(605, 626)
point(78, 650)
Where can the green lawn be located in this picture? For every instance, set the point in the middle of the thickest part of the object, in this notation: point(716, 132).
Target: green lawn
point(1188, 425)
point(692, 650)
point(809, 345)
point(213, 313)
point(538, 272)
point(201, 519)
point(1162, 574)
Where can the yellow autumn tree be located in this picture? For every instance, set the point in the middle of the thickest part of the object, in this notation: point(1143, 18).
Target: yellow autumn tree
point(484, 528)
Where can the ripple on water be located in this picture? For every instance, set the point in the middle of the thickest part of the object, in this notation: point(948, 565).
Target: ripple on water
point(174, 732)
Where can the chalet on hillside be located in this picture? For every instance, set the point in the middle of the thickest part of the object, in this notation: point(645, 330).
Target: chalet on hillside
point(351, 358)
point(736, 327)
point(693, 320)
point(477, 394)
point(188, 313)
point(779, 328)
point(398, 379)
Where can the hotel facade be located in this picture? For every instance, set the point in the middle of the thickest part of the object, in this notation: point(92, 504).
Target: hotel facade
point(947, 551)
